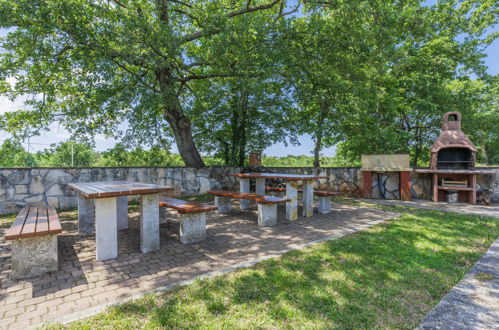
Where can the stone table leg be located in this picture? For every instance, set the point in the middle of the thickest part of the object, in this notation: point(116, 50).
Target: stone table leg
point(122, 212)
point(260, 186)
point(192, 227)
point(106, 228)
point(86, 216)
point(292, 207)
point(223, 204)
point(149, 222)
point(244, 187)
point(267, 215)
point(308, 199)
point(163, 215)
point(324, 204)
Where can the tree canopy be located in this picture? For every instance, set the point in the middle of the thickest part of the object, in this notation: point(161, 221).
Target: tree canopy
point(226, 77)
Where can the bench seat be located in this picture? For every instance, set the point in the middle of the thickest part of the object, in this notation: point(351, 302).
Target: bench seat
point(34, 241)
point(192, 218)
point(267, 205)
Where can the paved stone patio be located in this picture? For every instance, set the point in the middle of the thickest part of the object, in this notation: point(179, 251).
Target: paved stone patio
point(474, 302)
point(84, 284)
point(459, 208)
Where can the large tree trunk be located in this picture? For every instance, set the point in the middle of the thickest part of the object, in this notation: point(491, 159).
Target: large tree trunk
point(179, 123)
point(317, 150)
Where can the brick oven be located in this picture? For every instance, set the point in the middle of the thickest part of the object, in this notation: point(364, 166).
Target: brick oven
point(452, 163)
point(453, 149)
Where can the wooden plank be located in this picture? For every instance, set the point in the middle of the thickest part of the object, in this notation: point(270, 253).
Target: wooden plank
point(16, 228)
point(42, 224)
point(272, 200)
point(54, 223)
point(325, 193)
point(185, 206)
point(117, 188)
point(29, 228)
point(455, 188)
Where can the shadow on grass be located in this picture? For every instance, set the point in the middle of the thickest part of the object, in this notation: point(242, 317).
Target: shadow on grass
point(388, 276)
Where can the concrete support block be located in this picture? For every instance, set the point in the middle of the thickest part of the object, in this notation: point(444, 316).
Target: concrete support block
point(34, 256)
point(292, 207)
point(324, 204)
point(223, 204)
point(106, 228)
point(244, 187)
point(260, 186)
point(86, 216)
point(267, 215)
point(308, 199)
point(122, 212)
point(149, 222)
point(192, 227)
point(163, 215)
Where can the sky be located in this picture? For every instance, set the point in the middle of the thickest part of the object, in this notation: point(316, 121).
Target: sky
point(57, 133)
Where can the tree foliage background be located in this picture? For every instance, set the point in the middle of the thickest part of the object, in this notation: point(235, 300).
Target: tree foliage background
point(222, 78)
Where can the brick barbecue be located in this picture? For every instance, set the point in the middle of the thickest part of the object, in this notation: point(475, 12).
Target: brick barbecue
point(452, 163)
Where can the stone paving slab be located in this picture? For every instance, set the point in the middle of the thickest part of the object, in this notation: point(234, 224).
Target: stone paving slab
point(458, 208)
point(474, 302)
point(84, 284)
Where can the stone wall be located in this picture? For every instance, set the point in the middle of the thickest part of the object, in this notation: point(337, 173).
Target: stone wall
point(22, 186)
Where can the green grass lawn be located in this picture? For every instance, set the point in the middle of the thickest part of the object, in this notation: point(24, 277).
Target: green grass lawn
point(389, 276)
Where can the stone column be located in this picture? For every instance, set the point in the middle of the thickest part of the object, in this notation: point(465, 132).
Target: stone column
point(292, 194)
point(223, 204)
point(324, 204)
point(244, 187)
point(86, 216)
point(308, 199)
point(260, 186)
point(122, 212)
point(106, 228)
point(267, 215)
point(33, 256)
point(163, 215)
point(149, 222)
point(192, 227)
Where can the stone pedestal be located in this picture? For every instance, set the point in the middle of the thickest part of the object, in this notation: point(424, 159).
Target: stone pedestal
point(292, 207)
point(106, 228)
point(308, 199)
point(149, 222)
point(86, 216)
point(260, 186)
point(267, 215)
point(122, 212)
point(192, 227)
point(244, 187)
point(34, 256)
point(163, 215)
point(223, 204)
point(324, 204)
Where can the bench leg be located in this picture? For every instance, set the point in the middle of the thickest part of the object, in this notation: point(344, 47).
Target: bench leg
point(122, 212)
point(292, 207)
point(324, 204)
point(34, 256)
point(223, 204)
point(149, 222)
point(86, 216)
point(163, 215)
point(244, 187)
point(308, 199)
point(267, 215)
point(106, 228)
point(192, 227)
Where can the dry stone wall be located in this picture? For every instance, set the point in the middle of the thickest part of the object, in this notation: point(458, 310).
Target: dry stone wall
point(31, 186)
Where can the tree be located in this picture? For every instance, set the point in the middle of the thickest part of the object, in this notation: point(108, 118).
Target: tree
point(12, 154)
point(68, 154)
point(94, 64)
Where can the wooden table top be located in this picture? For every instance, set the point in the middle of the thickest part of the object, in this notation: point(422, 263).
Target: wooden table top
point(116, 188)
point(289, 177)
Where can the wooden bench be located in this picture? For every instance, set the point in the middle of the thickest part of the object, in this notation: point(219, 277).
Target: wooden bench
point(267, 205)
point(324, 197)
point(34, 241)
point(192, 218)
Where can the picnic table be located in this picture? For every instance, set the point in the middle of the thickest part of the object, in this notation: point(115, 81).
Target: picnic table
point(291, 190)
point(106, 204)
